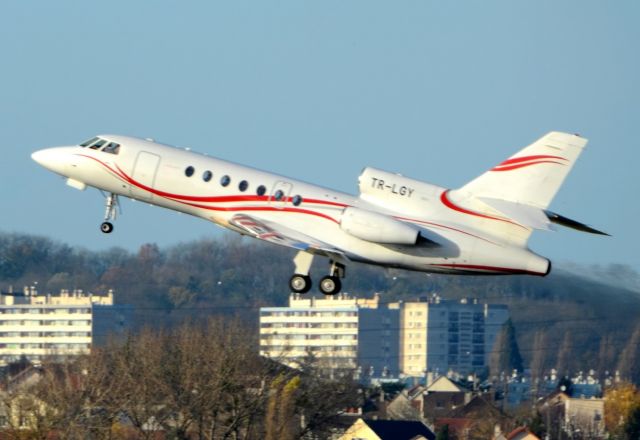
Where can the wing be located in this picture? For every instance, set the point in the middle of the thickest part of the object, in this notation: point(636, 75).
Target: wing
point(278, 234)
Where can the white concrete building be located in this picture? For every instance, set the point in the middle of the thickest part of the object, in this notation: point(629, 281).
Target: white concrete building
point(585, 416)
point(38, 326)
point(403, 338)
point(325, 329)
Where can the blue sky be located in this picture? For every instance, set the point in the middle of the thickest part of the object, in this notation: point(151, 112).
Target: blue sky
point(439, 91)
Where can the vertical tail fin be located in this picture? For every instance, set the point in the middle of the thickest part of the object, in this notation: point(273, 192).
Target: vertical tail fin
point(533, 175)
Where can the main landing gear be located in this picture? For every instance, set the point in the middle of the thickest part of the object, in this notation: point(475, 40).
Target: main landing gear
point(111, 211)
point(300, 282)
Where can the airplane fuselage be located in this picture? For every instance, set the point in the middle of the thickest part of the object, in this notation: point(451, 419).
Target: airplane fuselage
point(457, 239)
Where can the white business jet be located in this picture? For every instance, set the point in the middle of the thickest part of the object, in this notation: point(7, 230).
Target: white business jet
point(395, 221)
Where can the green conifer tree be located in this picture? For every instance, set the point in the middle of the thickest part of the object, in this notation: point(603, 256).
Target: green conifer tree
point(505, 355)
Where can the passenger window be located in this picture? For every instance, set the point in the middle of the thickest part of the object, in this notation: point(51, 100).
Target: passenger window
point(225, 180)
point(98, 144)
point(243, 185)
point(207, 175)
point(296, 200)
point(261, 190)
point(279, 195)
point(112, 148)
point(89, 142)
point(189, 171)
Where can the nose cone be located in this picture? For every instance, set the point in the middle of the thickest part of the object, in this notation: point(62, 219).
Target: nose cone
point(40, 156)
point(55, 159)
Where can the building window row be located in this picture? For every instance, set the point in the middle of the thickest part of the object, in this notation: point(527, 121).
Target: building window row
point(348, 337)
point(43, 311)
point(299, 313)
point(317, 325)
point(54, 322)
point(61, 346)
point(264, 346)
point(44, 334)
point(332, 348)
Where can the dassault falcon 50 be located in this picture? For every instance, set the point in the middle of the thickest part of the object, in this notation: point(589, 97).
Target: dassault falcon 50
point(481, 228)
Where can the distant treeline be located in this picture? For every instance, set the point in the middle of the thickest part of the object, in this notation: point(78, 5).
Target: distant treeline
point(563, 321)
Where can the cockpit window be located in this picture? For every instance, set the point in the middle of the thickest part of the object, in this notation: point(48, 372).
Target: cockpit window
point(98, 144)
point(89, 142)
point(112, 148)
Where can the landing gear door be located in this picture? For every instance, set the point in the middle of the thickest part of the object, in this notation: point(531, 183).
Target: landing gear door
point(144, 175)
point(280, 194)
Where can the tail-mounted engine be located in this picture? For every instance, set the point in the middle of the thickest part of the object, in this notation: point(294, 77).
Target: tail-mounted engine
point(377, 228)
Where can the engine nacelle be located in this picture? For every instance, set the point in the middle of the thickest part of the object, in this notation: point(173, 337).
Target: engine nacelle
point(377, 228)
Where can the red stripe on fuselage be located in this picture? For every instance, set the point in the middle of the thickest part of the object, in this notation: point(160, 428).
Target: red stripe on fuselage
point(424, 222)
point(477, 267)
point(259, 208)
point(183, 199)
point(116, 172)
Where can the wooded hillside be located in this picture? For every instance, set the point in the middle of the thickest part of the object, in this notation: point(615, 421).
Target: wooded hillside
point(565, 320)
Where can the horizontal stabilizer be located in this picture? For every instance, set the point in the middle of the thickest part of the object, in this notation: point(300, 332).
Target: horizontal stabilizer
point(568, 223)
point(526, 215)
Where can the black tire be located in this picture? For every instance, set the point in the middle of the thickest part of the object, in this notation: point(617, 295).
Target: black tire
point(300, 283)
point(330, 285)
point(106, 227)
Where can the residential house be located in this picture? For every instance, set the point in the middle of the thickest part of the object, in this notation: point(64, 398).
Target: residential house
point(388, 430)
point(521, 433)
point(443, 396)
point(479, 415)
point(585, 415)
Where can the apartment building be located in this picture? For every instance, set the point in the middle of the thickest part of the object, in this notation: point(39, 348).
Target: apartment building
point(440, 335)
point(330, 330)
point(379, 339)
point(38, 326)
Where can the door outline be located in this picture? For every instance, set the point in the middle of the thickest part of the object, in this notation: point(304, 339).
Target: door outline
point(144, 172)
point(286, 188)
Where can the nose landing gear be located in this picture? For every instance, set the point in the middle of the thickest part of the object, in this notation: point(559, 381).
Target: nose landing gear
point(106, 227)
point(111, 211)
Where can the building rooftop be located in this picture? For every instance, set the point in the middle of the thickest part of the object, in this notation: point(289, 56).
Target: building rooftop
point(30, 297)
point(340, 300)
point(399, 429)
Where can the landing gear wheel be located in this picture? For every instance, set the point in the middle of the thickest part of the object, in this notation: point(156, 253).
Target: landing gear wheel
point(300, 283)
point(106, 227)
point(110, 212)
point(330, 285)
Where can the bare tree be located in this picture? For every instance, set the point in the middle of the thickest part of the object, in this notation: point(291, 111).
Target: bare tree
point(197, 381)
point(538, 354)
point(628, 360)
point(606, 354)
point(563, 360)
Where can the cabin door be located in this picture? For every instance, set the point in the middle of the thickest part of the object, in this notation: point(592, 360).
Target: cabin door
point(144, 176)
